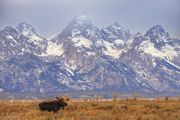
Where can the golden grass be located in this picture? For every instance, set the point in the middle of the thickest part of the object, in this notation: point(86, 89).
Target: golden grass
point(105, 110)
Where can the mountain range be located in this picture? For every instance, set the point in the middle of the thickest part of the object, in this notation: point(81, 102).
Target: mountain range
point(84, 57)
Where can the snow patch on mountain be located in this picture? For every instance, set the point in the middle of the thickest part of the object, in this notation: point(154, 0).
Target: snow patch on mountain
point(72, 65)
point(173, 65)
point(111, 50)
point(148, 48)
point(28, 31)
point(75, 32)
point(10, 37)
point(81, 41)
point(69, 71)
point(35, 38)
point(119, 42)
point(54, 49)
point(91, 53)
point(167, 52)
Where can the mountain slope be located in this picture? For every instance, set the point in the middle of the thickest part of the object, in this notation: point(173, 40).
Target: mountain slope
point(84, 57)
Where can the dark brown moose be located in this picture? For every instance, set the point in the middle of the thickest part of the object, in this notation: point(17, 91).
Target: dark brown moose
point(54, 105)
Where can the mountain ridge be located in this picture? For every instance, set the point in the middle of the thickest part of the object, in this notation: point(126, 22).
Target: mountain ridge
point(85, 57)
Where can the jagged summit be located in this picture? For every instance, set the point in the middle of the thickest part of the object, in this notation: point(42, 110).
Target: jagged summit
point(25, 28)
point(8, 28)
point(25, 25)
point(81, 20)
point(9, 31)
point(29, 32)
point(116, 25)
point(79, 26)
point(158, 36)
point(156, 32)
point(115, 31)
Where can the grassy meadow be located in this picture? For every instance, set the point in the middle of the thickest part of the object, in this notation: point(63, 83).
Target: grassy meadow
point(127, 109)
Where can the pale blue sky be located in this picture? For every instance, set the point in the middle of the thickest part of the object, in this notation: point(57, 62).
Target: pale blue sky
point(51, 16)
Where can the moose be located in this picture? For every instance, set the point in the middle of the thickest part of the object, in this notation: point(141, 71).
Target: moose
point(54, 105)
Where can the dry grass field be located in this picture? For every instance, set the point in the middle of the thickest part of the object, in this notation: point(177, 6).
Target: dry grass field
point(161, 109)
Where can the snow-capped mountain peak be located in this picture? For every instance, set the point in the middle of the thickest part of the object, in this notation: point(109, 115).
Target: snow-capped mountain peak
point(158, 36)
point(157, 32)
point(79, 26)
point(8, 28)
point(28, 31)
point(115, 31)
point(116, 25)
point(82, 20)
point(157, 43)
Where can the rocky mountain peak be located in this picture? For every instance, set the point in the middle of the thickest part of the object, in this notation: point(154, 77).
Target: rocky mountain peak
point(156, 32)
point(158, 36)
point(7, 33)
point(8, 28)
point(79, 26)
point(115, 31)
point(116, 25)
point(82, 21)
point(25, 29)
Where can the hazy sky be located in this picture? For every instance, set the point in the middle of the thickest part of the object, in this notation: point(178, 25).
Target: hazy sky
point(51, 16)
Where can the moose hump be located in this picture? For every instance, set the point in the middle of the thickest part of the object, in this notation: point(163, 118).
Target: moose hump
point(54, 105)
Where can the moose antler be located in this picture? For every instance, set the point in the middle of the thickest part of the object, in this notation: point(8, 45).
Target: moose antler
point(57, 98)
